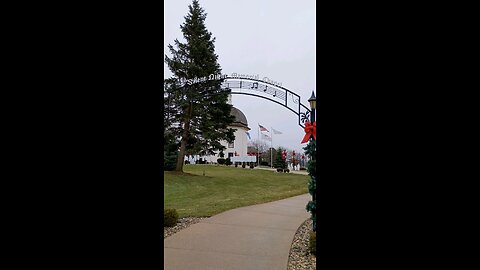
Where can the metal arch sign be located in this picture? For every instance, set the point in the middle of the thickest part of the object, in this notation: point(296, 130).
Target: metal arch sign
point(270, 91)
point(266, 88)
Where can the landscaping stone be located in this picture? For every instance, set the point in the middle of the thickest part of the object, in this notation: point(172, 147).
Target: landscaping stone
point(181, 224)
point(300, 258)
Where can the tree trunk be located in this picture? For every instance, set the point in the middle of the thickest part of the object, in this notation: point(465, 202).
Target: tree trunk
point(183, 142)
point(181, 153)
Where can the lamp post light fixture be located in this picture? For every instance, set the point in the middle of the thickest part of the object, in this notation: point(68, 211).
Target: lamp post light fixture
point(313, 105)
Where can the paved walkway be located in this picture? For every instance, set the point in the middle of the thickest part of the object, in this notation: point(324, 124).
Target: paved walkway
point(255, 237)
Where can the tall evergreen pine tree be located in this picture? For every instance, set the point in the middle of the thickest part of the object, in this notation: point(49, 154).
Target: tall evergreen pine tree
point(196, 114)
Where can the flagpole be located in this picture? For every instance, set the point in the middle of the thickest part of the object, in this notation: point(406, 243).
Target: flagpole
point(271, 145)
point(258, 146)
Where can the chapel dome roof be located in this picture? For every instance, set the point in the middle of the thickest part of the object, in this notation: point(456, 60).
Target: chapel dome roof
point(240, 119)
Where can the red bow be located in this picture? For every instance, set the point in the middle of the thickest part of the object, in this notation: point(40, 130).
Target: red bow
point(310, 130)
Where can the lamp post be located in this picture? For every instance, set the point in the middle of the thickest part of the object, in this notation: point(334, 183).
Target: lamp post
point(313, 104)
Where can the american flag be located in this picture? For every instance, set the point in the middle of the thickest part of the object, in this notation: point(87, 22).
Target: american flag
point(262, 128)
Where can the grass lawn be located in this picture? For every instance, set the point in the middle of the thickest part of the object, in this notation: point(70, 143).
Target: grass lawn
point(223, 188)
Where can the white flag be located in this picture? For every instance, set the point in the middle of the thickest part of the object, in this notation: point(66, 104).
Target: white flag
point(276, 131)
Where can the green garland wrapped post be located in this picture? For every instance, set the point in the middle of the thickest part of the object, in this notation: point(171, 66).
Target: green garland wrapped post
point(311, 150)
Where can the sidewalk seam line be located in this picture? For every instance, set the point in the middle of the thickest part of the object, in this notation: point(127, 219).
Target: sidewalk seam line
point(252, 226)
point(223, 252)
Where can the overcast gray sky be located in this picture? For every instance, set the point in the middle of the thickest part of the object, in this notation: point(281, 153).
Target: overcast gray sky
point(271, 38)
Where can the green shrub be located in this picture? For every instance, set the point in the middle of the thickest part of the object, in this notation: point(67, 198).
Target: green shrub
point(228, 162)
point(170, 154)
point(170, 217)
point(278, 161)
point(221, 161)
point(264, 163)
point(170, 161)
point(312, 245)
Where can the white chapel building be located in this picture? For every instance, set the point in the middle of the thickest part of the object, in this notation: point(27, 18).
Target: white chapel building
point(239, 147)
